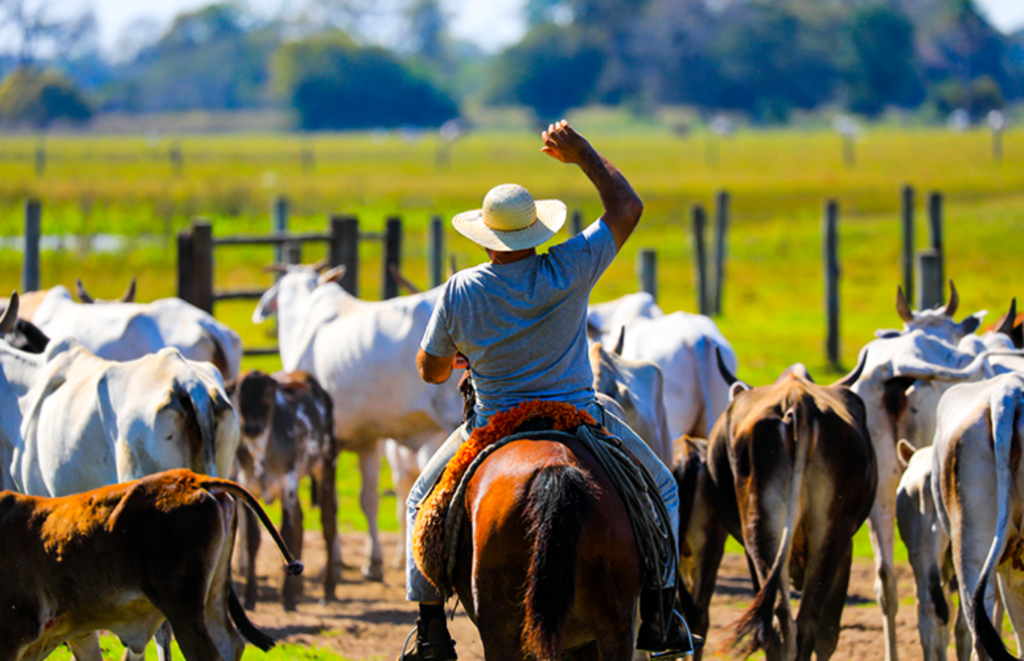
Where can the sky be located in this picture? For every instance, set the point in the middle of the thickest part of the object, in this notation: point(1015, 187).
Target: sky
point(491, 24)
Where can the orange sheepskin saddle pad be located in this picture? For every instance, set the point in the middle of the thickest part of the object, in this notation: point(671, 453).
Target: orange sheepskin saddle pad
point(429, 534)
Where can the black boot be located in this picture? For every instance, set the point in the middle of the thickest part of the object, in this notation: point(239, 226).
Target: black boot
point(433, 642)
point(654, 636)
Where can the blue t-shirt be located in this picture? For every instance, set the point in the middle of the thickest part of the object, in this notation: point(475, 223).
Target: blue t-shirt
point(522, 326)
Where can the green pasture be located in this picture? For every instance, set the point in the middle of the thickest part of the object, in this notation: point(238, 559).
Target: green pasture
point(779, 180)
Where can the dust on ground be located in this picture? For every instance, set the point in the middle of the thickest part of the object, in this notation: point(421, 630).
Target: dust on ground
point(371, 620)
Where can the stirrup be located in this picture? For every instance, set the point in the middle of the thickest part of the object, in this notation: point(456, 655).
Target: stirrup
point(406, 655)
point(675, 654)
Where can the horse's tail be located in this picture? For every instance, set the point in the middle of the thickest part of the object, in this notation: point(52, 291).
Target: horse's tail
point(1003, 418)
point(559, 504)
point(757, 620)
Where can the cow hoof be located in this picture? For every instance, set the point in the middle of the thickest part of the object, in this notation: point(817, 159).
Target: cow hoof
point(374, 570)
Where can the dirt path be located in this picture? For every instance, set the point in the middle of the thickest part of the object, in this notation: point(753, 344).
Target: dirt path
point(371, 620)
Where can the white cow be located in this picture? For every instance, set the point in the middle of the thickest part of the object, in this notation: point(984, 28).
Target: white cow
point(364, 354)
point(89, 422)
point(18, 371)
point(683, 346)
point(977, 478)
point(637, 386)
point(406, 465)
point(126, 331)
point(928, 550)
point(901, 384)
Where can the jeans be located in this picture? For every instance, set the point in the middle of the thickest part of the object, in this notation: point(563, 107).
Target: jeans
point(419, 588)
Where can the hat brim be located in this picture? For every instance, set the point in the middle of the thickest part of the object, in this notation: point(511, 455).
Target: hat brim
point(551, 216)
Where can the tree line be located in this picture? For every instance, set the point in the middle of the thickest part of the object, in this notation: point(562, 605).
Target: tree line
point(351, 64)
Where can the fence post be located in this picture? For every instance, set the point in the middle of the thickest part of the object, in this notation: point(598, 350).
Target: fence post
point(176, 159)
point(831, 249)
point(699, 223)
point(929, 294)
point(202, 265)
point(436, 251)
point(907, 258)
point(293, 252)
point(279, 225)
point(721, 227)
point(33, 232)
point(392, 256)
point(577, 222)
point(649, 272)
point(41, 158)
point(935, 227)
point(344, 250)
point(186, 291)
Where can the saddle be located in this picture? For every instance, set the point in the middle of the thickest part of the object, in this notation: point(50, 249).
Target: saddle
point(433, 538)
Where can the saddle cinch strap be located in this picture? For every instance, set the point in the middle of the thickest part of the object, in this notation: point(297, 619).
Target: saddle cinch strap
point(440, 521)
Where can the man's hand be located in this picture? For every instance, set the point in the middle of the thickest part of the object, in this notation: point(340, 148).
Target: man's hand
point(563, 143)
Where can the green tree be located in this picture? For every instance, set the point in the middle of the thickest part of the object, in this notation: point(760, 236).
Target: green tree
point(551, 70)
point(39, 98)
point(333, 83)
point(882, 67)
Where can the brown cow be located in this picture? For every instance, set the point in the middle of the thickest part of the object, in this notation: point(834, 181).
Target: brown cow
point(287, 434)
point(124, 558)
point(795, 476)
point(701, 535)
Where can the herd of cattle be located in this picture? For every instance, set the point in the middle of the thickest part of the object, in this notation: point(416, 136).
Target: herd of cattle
point(925, 434)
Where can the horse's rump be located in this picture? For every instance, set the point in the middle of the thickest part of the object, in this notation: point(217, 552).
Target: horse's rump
point(550, 539)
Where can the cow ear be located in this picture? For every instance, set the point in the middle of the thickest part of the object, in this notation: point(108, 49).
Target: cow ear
point(267, 305)
point(10, 315)
point(332, 275)
point(904, 451)
point(971, 323)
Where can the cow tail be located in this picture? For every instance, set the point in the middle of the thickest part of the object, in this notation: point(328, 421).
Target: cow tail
point(756, 622)
point(559, 503)
point(294, 567)
point(1003, 409)
point(245, 625)
point(227, 347)
point(706, 369)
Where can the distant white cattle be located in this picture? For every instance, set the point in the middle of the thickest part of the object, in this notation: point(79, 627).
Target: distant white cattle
point(363, 353)
point(977, 478)
point(901, 384)
point(406, 465)
point(89, 422)
point(18, 371)
point(683, 346)
point(126, 331)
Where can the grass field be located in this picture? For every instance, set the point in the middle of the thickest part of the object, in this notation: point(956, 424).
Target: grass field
point(773, 306)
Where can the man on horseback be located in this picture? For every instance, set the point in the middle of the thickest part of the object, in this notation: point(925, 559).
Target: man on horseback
point(520, 323)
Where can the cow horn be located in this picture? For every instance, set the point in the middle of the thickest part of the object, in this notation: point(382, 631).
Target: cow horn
point(735, 385)
point(333, 275)
point(452, 266)
point(954, 301)
point(621, 342)
point(402, 280)
point(901, 306)
point(83, 295)
point(10, 315)
point(851, 378)
point(129, 294)
point(320, 265)
point(1006, 328)
point(275, 268)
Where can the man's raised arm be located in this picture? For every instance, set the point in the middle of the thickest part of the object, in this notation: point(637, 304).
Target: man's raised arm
point(622, 206)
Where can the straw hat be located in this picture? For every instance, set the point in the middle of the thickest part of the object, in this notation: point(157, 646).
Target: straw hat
point(511, 220)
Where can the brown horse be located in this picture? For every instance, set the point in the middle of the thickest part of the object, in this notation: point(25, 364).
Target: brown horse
point(547, 562)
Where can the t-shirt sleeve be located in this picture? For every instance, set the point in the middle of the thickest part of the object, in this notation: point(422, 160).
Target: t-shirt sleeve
point(437, 339)
point(589, 253)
